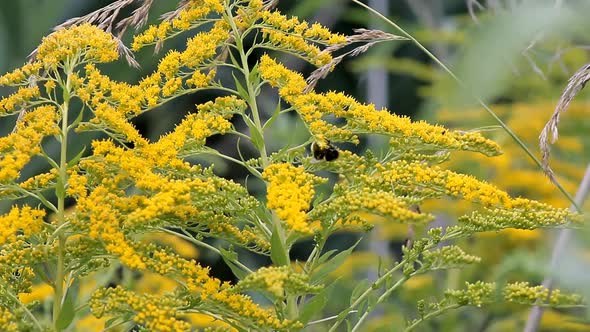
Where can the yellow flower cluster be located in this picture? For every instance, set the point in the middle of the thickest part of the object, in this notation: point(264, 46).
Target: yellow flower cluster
point(501, 210)
point(77, 183)
point(8, 321)
point(360, 118)
point(290, 83)
point(190, 17)
point(78, 44)
point(293, 36)
point(102, 221)
point(21, 75)
point(352, 202)
point(447, 257)
point(278, 280)
point(17, 257)
point(173, 201)
point(199, 283)
point(24, 220)
point(40, 181)
point(244, 306)
point(156, 313)
point(476, 294)
point(248, 15)
point(18, 100)
point(521, 292)
point(517, 173)
point(403, 174)
point(17, 148)
point(115, 102)
point(170, 188)
point(293, 26)
point(289, 193)
point(296, 45)
point(203, 46)
point(211, 118)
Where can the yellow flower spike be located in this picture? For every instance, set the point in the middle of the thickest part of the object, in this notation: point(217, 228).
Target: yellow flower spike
point(26, 220)
point(291, 83)
point(8, 321)
point(198, 281)
point(170, 64)
point(316, 32)
point(21, 75)
point(40, 181)
point(18, 100)
point(86, 42)
point(171, 87)
point(201, 80)
point(156, 313)
point(360, 118)
point(191, 16)
point(298, 46)
point(278, 280)
point(289, 194)
point(203, 46)
point(17, 149)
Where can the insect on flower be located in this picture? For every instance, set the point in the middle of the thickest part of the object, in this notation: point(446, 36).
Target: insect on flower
point(324, 151)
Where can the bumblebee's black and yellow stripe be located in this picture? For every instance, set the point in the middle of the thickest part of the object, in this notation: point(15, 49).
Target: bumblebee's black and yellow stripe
point(324, 151)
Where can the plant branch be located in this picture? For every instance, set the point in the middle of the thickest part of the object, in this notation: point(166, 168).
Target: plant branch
point(431, 315)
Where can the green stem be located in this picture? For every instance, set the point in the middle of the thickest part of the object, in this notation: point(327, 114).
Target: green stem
point(364, 295)
point(317, 250)
point(474, 96)
point(61, 197)
point(430, 315)
point(292, 310)
point(375, 285)
point(379, 300)
point(204, 245)
point(245, 68)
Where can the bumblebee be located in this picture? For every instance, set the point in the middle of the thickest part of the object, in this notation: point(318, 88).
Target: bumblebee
point(324, 151)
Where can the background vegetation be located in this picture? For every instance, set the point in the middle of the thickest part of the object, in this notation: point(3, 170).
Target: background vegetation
point(514, 57)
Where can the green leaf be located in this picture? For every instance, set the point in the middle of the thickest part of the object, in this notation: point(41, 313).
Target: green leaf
point(67, 313)
point(229, 257)
point(77, 120)
point(77, 158)
point(233, 59)
point(116, 321)
point(316, 304)
point(240, 88)
point(49, 160)
point(326, 256)
point(255, 135)
point(331, 265)
point(274, 116)
point(255, 80)
point(360, 288)
point(110, 322)
point(278, 253)
point(43, 200)
point(318, 200)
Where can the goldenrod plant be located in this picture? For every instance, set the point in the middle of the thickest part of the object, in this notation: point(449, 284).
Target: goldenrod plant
point(109, 220)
